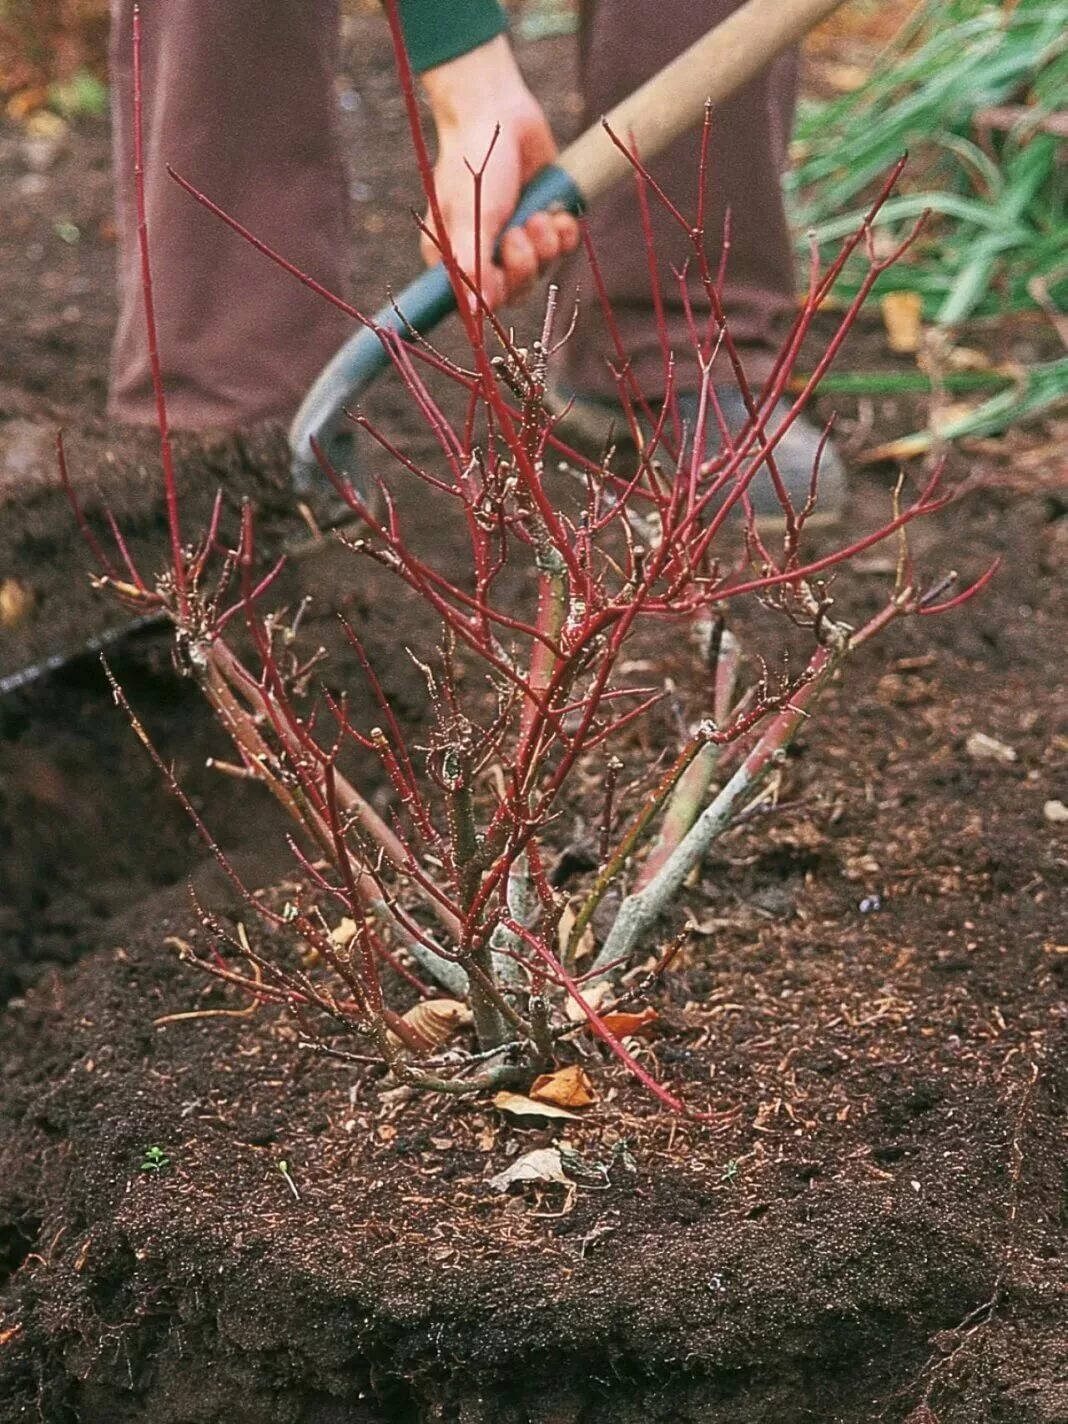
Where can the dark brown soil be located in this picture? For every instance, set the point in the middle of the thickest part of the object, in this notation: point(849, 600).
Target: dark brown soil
point(875, 989)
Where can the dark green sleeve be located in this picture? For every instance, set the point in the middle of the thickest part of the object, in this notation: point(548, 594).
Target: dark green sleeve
point(438, 30)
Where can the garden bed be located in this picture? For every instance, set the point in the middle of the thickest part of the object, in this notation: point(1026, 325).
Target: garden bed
point(873, 997)
point(880, 1221)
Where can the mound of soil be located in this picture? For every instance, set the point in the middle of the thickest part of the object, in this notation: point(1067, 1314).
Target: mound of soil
point(876, 1229)
point(874, 998)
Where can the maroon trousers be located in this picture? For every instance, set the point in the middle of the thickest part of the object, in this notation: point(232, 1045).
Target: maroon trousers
point(242, 95)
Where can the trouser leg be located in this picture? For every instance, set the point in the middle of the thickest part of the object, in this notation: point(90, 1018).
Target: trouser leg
point(239, 99)
point(623, 42)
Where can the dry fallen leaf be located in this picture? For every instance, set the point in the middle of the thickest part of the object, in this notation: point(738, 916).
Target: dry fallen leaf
point(843, 78)
point(22, 104)
point(487, 1138)
point(343, 932)
point(518, 1105)
point(586, 943)
point(541, 1165)
point(624, 1024)
point(340, 936)
point(16, 600)
point(436, 1020)
point(903, 319)
point(43, 123)
point(594, 996)
point(567, 1088)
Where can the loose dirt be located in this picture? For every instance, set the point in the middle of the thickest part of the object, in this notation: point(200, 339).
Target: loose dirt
point(872, 996)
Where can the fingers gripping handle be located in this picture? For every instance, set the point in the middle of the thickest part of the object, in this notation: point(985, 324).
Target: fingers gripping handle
point(415, 312)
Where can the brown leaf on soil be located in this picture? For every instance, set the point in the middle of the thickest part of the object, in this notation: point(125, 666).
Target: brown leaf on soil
point(436, 1020)
point(594, 997)
point(16, 600)
point(519, 1105)
point(543, 1165)
point(911, 447)
point(566, 1088)
point(903, 319)
point(22, 104)
point(343, 932)
point(586, 943)
point(625, 1024)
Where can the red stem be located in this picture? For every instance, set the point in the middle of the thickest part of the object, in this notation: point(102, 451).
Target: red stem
point(166, 455)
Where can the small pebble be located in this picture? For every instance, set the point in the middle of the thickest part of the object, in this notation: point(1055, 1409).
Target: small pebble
point(1056, 813)
point(984, 748)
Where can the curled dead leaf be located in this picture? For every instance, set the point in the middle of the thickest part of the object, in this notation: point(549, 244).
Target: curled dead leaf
point(586, 943)
point(340, 937)
point(435, 1021)
point(342, 933)
point(519, 1105)
point(595, 996)
point(542, 1165)
point(566, 1088)
point(43, 123)
point(624, 1025)
point(903, 319)
point(946, 423)
point(25, 101)
point(16, 600)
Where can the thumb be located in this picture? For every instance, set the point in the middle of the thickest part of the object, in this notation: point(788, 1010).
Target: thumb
point(538, 148)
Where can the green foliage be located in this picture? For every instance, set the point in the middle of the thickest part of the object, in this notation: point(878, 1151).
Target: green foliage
point(1044, 388)
point(1019, 396)
point(997, 198)
point(82, 96)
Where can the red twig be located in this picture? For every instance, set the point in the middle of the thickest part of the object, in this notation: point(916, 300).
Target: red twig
point(170, 487)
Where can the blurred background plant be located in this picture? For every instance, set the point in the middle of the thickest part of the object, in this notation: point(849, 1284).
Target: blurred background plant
point(976, 91)
point(53, 55)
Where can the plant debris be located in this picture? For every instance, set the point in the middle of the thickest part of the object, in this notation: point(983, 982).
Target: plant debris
point(543, 1165)
point(566, 1088)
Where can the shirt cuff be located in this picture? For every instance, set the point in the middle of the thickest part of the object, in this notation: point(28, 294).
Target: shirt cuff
point(436, 31)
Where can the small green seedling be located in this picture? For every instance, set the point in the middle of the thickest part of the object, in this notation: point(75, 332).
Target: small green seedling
point(729, 1172)
point(283, 1167)
point(155, 1159)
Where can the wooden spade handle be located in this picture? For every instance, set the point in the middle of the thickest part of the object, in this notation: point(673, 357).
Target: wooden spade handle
point(673, 100)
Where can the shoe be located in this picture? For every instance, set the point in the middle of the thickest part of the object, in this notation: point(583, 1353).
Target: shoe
point(591, 424)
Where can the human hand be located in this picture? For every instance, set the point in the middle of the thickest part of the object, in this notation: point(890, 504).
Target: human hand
point(469, 98)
